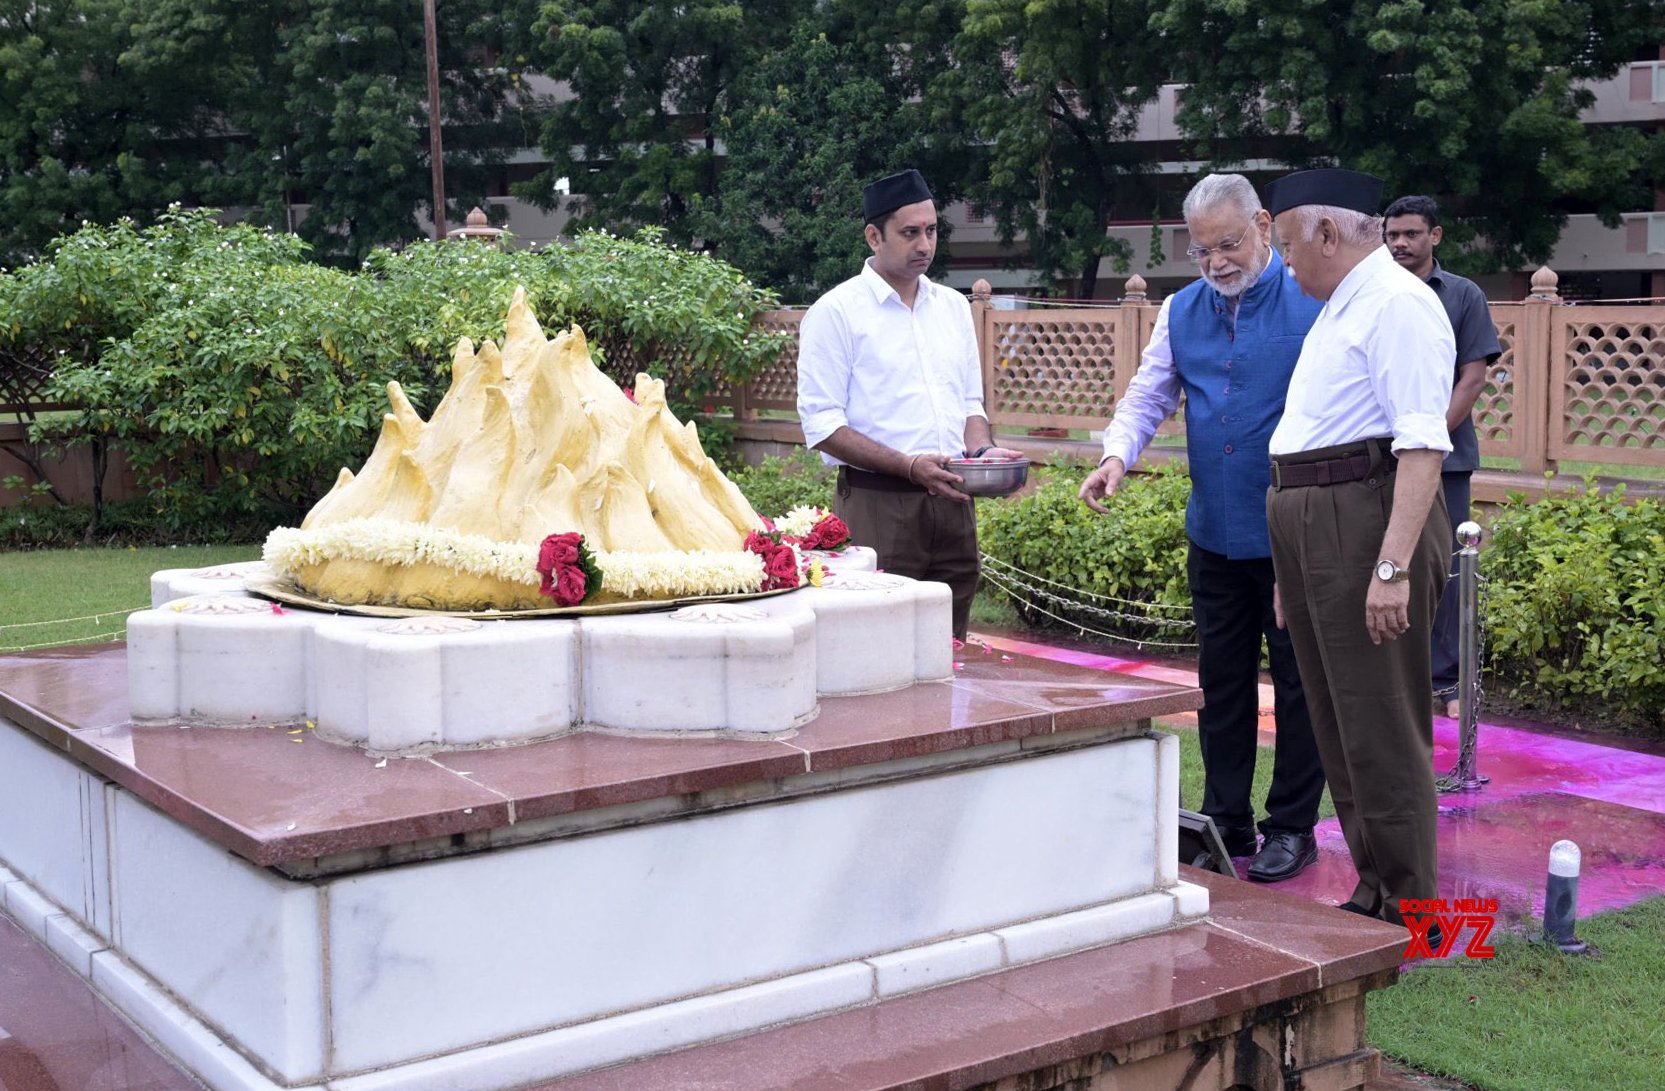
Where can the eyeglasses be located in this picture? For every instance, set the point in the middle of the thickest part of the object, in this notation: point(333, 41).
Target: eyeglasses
point(1200, 254)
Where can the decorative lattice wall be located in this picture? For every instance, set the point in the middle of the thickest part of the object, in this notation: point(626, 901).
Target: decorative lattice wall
point(776, 387)
point(1609, 379)
point(1494, 409)
point(24, 374)
point(1055, 368)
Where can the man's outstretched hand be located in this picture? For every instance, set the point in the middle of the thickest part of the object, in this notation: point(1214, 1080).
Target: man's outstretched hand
point(1102, 484)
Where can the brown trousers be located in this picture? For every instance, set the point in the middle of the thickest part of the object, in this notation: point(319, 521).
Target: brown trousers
point(918, 535)
point(1371, 715)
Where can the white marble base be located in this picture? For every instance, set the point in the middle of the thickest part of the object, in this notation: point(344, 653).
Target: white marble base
point(210, 654)
point(488, 970)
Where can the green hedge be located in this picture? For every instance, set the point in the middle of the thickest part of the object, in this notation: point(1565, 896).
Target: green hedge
point(238, 378)
point(778, 485)
point(1121, 574)
point(1574, 604)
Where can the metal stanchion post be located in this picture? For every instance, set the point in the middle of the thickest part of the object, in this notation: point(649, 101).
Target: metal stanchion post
point(1465, 777)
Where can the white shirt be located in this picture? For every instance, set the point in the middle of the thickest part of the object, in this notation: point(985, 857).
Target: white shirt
point(1376, 363)
point(904, 377)
point(1152, 394)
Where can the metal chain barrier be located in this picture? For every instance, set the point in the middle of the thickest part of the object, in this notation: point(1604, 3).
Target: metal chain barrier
point(96, 638)
point(1030, 591)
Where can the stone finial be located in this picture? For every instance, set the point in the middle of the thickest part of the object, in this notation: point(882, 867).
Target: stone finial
point(478, 228)
point(1135, 290)
point(981, 291)
point(1545, 284)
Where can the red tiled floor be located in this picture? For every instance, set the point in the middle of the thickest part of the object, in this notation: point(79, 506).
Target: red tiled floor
point(975, 1032)
point(1493, 842)
point(57, 1035)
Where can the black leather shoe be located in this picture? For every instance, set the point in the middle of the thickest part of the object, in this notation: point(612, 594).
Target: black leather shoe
point(1239, 840)
point(1283, 856)
point(1354, 907)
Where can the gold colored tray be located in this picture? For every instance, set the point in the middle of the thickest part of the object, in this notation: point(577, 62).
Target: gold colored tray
point(277, 589)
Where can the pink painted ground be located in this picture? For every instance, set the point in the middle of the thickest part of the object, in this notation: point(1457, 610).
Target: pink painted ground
point(1493, 842)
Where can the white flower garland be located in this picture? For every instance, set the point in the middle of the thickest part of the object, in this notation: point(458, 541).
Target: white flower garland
point(629, 575)
point(800, 520)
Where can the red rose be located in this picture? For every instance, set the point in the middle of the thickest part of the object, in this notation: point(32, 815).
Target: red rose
point(570, 586)
point(829, 533)
point(557, 550)
point(781, 568)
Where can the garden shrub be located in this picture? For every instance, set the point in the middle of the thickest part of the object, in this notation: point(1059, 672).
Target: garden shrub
point(1575, 604)
point(678, 315)
point(777, 485)
point(238, 378)
point(130, 522)
point(1122, 573)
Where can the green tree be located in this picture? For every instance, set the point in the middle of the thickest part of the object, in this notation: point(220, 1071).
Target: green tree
point(79, 138)
point(1053, 90)
point(817, 120)
point(1476, 103)
point(115, 108)
point(326, 103)
point(649, 82)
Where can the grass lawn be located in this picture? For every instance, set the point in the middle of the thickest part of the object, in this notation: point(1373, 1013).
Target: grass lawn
point(1533, 1019)
point(1191, 774)
point(39, 590)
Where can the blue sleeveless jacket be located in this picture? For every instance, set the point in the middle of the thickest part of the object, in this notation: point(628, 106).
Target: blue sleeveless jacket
point(1235, 381)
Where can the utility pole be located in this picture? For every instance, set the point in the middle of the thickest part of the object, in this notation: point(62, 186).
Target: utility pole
point(436, 150)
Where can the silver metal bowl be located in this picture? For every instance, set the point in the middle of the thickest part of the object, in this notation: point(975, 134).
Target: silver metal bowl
point(990, 476)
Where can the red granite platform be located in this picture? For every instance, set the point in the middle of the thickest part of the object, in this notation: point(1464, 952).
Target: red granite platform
point(273, 797)
point(1260, 950)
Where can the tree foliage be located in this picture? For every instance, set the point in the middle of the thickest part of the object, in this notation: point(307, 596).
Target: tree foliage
point(78, 138)
point(816, 120)
point(746, 127)
point(119, 107)
point(1476, 103)
point(650, 83)
point(1054, 91)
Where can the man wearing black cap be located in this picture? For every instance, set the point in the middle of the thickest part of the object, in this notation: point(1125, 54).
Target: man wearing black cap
point(1358, 539)
point(889, 389)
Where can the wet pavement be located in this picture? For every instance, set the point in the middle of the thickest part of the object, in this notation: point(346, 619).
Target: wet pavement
point(57, 1035)
point(1494, 841)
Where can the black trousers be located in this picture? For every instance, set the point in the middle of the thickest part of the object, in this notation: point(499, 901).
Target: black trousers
point(1446, 668)
point(1232, 603)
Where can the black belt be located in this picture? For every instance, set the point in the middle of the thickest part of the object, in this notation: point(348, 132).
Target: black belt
point(867, 479)
point(1370, 461)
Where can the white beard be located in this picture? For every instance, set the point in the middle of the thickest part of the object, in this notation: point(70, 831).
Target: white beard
point(1242, 283)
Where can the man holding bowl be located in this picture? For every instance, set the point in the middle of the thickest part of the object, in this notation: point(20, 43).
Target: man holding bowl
point(889, 390)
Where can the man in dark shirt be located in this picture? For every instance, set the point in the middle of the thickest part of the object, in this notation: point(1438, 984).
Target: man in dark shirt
point(1411, 229)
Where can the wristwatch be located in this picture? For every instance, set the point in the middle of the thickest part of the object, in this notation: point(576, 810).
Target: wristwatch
point(1389, 572)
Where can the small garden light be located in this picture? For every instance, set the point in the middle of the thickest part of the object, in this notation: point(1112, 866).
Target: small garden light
point(1561, 898)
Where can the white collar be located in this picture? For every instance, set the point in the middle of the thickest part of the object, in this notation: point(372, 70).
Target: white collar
point(882, 289)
